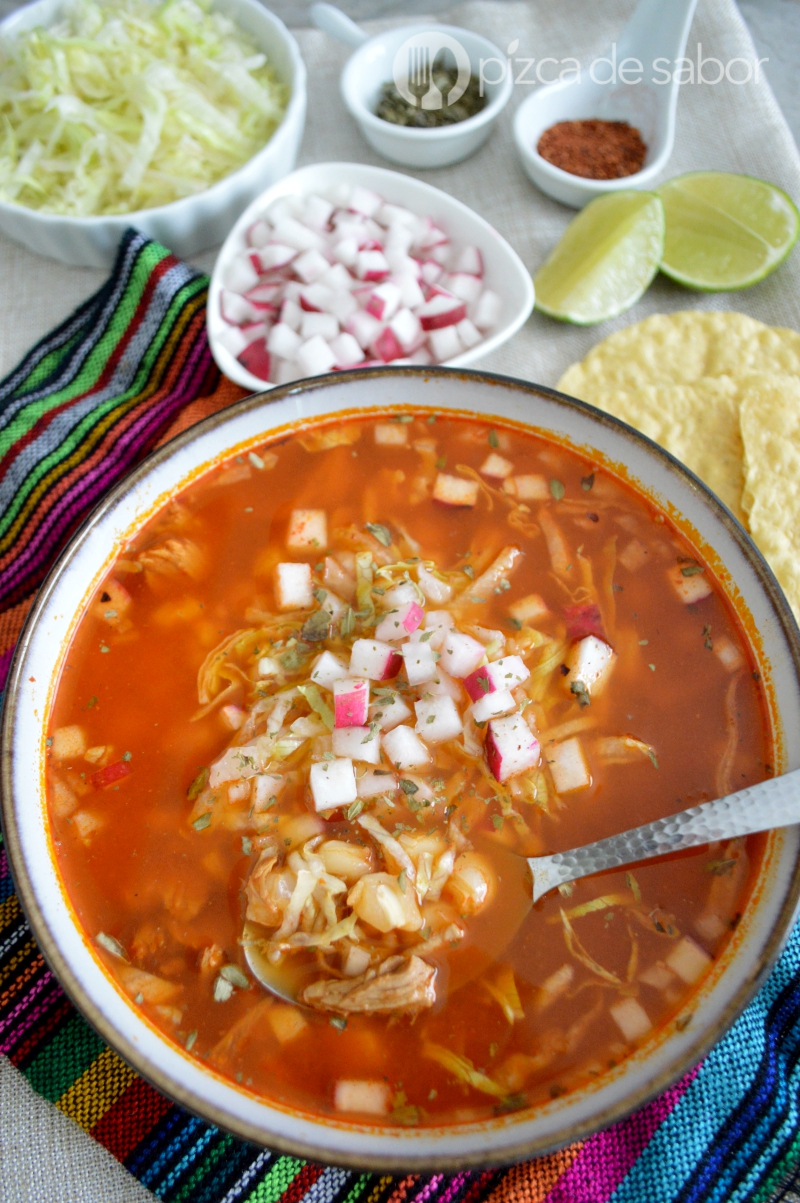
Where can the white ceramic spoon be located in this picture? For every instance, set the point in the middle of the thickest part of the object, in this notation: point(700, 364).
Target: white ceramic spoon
point(658, 30)
point(771, 803)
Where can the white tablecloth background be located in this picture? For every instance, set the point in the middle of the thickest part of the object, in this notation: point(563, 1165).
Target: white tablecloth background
point(43, 1155)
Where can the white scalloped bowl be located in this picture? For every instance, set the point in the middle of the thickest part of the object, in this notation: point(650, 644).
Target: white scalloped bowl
point(504, 271)
point(193, 223)
point(670, 1051)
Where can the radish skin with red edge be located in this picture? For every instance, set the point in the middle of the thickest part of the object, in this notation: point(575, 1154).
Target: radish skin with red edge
point(350, 702)
point(511, 747)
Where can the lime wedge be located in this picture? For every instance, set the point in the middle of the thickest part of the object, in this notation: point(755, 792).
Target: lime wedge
point(725, 231)
point(606, 259)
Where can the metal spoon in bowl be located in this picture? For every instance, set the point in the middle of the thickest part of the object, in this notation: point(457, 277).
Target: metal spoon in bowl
point(771, 803)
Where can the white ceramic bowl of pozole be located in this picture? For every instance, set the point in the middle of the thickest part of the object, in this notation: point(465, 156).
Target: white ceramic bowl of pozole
point(659, 1058)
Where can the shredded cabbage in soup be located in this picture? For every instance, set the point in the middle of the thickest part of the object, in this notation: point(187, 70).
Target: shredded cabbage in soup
point(123, 106)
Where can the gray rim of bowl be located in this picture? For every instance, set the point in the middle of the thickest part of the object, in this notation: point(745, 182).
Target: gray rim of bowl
point(390, 1162)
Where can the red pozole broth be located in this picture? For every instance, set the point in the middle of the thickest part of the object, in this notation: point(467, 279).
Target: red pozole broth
point(320, 705)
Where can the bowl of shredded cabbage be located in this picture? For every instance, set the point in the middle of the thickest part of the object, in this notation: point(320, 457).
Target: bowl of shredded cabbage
point(166, 115)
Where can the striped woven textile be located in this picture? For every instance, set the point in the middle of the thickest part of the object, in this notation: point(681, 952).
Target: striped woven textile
point(129, 369)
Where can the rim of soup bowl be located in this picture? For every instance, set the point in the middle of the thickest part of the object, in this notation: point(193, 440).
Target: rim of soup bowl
point(446, 1147)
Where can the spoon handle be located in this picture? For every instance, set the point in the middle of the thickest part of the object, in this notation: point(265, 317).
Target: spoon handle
point(332, 20)
point(771, 803)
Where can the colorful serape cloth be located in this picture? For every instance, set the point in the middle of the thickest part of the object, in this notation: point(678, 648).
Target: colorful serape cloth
point(128, 370)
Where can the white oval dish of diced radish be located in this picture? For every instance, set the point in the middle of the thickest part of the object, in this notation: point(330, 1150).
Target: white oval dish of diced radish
point(343, 265)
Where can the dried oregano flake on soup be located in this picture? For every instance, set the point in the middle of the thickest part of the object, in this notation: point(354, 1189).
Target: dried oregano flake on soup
point(352, 679)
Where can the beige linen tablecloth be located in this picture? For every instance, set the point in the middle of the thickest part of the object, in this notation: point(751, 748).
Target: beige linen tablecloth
point(43, 1155)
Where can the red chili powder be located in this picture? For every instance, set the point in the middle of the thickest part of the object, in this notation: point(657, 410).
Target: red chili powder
point(600, 150)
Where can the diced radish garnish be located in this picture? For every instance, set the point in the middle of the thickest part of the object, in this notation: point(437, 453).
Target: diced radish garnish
point(435, 590)
point(359, 743)
point(259, 234)
point(528, 488)
point(467, 259)
point(421, 356)
point(400, 623)
point(333, 784)
point(486, 311)
point(568, 765)
point(728, 653)
point(308, 531)
point(350, 702)
point(264, 295)
point(631, 1019)
point(315, 357)
point(442, 685)
point(406, 328)
point(233, 340)
point(468, 288)
point(411, 295)
point(317, 212)
point(290, 232)
point(511, 747)
point(388, 711)
point(495, 467)
point(420, 661)
point(689, 582)
point(275, 255)
point(499, 702)
point(236, 309)
point(285, 206)
point(337, 277)
point(364, 200)
point(110, 774)
point(285, 371)
point(291, 314)
point(342, 304)
point(461, 654)
point(389, 215)
point(323, 324)
point(365, 1096)
point(528, 609)
point(255, 357)
point(455, 490)
point(364, 328)
point(294, 588)
point(508, 672)
point(386, 347)
point(431, 271)
point(383, 301)
point(347, 351)
point(589, 662)
point(315, 298)
point(469, 334)
point(391, 434)
point(327, 669)
point(240, 275)
point(372, 265)
point(584, 619)
point(283, 341)
point(437, 624)
point(432, 237)
point(688, 960)
point(333, 605)
point(374, 659)
point(399, 238)
point(399, 595)
point(438, 719)
point(376, 781)
point(345, 250)
point(310, 266)
point(445, 343)
point(405, 749)
point(441, 310)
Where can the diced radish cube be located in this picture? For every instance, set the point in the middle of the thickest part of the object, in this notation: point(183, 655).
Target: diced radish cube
point(399, 595)
point(584, 619)
point(337, 277)
point(500, 701)
point(688, 960)
point(461, 654)
point(402, 265)
point(495, 467)
point(364, 328)
point(284, 371)
point(291, 232)
point(568, 765)
point(282, 340)
point(323, 324)
point(236, 309)
point(690, 584)
point(255, 330)
point(371, 265)
point(405, 749)
point(233, 340)
point(275, 255)
point(389, 215)
point(435, 590)
point(469, 334)
point(438, 719)
point(347, 351)
point(445, 344)
point(406, 328)
point(292, 290)
point(255, 357)
point(264, 295)
point(455, 490)
point(420, 661)
point(467, 259)
point(376, 781)
point(315, 357)
point(399, 238)
point(528, 609)
point(359, 743)
point(411, 295)
point(486, 311)
point(365, 1096)
point(388, 711)
point(441, 310)
point(259, 233)
point(345, 250)
point(308, 530)
point(437, 625)
point(327, 669)
point(294, 588)
point(631, 1019)
point(342, 305)
point(468, 288)
point(374, 659)
point(508, 672)
point(310, 266)
point(285, 206)
point(386, 347)
point(442, 685)
point(421, 356)
point(315, 298)
point(364, 200)
point(350, 702)
point(333, 784)
point(291, 314)
point(431, 271)
point(728, 653)
point(317, 212)
point(528, 488)
point(511, 747)
point(240, 275)
point(383, 301)
point(400, 623)
point(479, 683)
point(440, 254)
point(391, 434)
point(334, 605)
point(589, 662)
point(432, 237)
